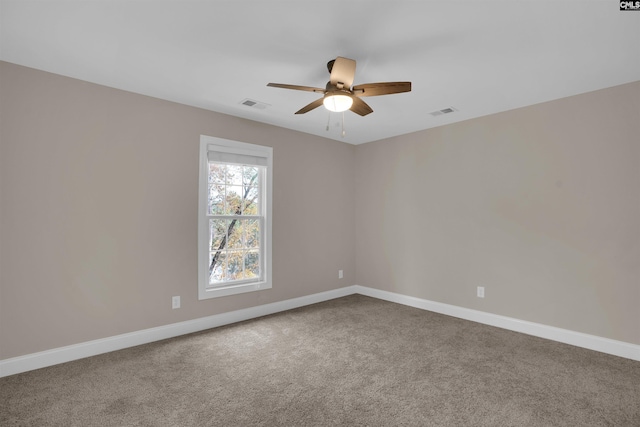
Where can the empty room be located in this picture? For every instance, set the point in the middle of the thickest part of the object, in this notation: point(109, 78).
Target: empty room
point(319, 213)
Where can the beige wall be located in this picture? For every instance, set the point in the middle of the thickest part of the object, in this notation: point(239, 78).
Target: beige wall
point(98, 198)
point(539, 205)
point(98, 211)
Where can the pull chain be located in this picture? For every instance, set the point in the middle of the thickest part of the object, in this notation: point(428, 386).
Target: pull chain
point(329, 120)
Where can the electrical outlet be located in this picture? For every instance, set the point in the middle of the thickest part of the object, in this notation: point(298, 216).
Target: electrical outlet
point(175, 302)
point(340, 274)
point(480, 291)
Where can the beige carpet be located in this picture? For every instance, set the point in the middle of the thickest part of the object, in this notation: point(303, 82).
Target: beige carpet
point(353, 361)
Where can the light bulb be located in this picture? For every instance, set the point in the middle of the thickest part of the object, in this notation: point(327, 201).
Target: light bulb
point(337, 103)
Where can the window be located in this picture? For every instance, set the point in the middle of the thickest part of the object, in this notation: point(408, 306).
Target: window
point(234, 217)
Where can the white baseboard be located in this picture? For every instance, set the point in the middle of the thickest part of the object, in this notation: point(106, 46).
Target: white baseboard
point(591, 342)
point(55, 356)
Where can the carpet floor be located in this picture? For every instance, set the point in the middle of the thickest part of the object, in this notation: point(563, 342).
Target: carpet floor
point(352, 361)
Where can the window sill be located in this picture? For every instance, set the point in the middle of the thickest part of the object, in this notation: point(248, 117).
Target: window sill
point(235, 289)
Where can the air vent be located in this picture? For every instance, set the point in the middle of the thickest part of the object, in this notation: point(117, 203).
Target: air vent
point(252, 103)
point(448, 110)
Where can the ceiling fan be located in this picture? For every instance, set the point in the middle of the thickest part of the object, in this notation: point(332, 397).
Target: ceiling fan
point(339, 95)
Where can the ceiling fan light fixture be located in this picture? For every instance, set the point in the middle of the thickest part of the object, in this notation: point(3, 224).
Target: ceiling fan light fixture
point(337, 103)
point(340, 94)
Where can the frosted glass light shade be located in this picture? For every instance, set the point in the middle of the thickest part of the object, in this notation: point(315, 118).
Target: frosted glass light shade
point(337, 103)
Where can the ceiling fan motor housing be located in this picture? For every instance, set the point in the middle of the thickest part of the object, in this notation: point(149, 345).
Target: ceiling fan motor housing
point(336, 88)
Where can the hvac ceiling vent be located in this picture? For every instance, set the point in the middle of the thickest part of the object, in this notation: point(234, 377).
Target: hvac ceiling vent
point(254, 104)
point(443, 111)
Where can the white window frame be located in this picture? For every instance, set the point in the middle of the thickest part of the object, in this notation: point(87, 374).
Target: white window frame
point(207, 144)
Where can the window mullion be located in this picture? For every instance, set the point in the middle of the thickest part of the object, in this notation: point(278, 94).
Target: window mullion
point(211, 216)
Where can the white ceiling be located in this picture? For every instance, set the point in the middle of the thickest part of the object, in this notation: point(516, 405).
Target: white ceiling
point(480, 57)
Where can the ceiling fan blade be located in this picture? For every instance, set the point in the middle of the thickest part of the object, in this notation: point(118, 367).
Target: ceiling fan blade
point(296, 87)
point(360, 107)
point(343, 71)
point(311, 106)
point(376, 89)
